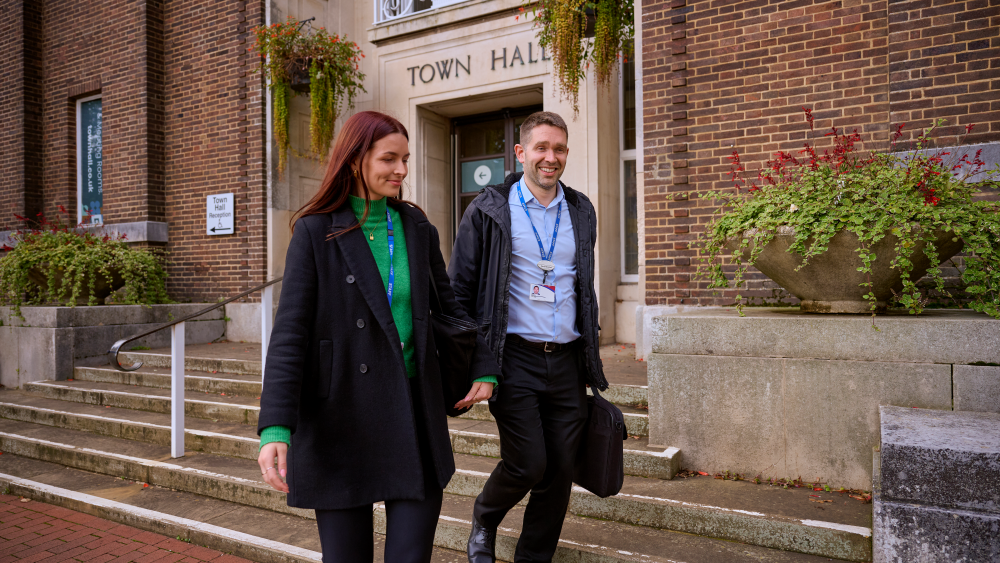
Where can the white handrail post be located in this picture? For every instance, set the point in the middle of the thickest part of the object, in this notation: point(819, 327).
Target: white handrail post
point(266, 310)
point(177, 390)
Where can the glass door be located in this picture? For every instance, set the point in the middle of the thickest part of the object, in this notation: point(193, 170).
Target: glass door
point(485, 153)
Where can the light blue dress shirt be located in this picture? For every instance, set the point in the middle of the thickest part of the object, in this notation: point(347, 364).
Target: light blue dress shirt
point(539, 321)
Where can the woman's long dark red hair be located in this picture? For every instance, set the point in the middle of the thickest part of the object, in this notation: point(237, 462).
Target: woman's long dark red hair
point(360, 132)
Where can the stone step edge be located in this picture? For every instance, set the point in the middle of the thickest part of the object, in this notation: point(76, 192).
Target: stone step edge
point(208, 410)
point(637, 424)
point(239, 544)
point(102, 374)
point(806, 536)
point(222, 365)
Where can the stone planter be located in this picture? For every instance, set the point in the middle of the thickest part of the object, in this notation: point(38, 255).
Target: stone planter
point(102, 289)
point(831, 283)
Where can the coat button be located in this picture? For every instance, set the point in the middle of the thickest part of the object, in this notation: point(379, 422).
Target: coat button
point(350, 279)
point(364, 368)
point(361, 323)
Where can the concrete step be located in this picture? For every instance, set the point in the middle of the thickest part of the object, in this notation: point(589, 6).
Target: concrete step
point(636, 420)
point(742, 512)
point(215, 407)
point(200, 381)
point(620, 394)
point(160, 359)
point(237, 482)
point(481, 437)
point(253, 533)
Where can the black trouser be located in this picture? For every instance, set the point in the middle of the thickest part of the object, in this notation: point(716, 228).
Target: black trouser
point(346, 534)
point(541, 411)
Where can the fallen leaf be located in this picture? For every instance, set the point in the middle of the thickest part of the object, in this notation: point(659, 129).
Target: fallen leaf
point(817, 488)
point(818, 500)
point(25, 499)
point(144, 485)
point(702, 473)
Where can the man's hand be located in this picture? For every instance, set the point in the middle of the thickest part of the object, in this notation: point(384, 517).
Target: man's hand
point(274, 475)
point(480, 391)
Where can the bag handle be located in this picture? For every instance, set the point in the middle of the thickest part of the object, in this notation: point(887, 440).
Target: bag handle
point(434, 287)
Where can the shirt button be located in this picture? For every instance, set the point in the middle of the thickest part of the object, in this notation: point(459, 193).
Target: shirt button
point(350, 279)
point(364, 368)
point(361, 323)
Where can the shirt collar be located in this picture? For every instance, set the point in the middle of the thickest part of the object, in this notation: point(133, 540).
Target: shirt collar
point(529, 197)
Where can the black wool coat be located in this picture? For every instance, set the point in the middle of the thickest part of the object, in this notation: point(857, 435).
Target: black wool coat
point(335, 373)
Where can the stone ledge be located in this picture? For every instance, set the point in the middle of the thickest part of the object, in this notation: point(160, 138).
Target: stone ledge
point(139, 231)
point(105, 315)
point(427, 19)
point(942, 336)
point(948, 459)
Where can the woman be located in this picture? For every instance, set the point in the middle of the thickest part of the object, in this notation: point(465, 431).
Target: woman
point(352, 379)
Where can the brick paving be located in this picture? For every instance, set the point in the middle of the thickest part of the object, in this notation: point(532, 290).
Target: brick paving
point(35, 532)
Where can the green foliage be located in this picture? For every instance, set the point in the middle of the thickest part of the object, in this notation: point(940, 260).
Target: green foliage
point(561, 26)
point(332, 64)
point(73, 262)
point(913, 196)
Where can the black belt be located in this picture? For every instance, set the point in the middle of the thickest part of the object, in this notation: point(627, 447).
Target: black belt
point(543, 346)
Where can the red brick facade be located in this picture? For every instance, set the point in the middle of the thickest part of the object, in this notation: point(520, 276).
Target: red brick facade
point(721, 75)
point(182, 119)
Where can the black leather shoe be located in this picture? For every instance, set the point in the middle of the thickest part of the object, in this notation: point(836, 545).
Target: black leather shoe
point(482, 544)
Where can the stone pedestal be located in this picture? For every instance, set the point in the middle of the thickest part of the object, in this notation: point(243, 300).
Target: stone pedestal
point(49, 340)
point(937, 487)
point(783, 393)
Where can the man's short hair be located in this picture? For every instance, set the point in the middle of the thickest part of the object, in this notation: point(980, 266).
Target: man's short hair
point(541, 118)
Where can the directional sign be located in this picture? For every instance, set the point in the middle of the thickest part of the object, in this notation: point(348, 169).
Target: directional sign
point(477, 174)
point(482, 175)
point(219, 216)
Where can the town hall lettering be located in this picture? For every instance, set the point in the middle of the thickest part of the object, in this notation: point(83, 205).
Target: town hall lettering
point(443, 70)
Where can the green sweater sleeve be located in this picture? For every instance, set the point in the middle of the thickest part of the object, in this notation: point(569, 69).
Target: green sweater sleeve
point(484, 379)
point(275, 434)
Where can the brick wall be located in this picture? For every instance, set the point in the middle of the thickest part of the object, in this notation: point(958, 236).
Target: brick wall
point(721, 75)
point(214, 123)
point(183, 118)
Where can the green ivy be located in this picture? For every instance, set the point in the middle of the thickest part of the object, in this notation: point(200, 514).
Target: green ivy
point(73, 261)
point(913, 196)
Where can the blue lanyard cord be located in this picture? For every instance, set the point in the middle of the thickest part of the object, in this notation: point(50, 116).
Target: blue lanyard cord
point(392, 245)
point(555, 231)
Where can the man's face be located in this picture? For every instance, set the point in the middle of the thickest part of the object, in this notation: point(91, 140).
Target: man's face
point(544, 158)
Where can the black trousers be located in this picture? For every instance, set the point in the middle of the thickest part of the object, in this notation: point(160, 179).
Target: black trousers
point(541, 411)
point(346, 534)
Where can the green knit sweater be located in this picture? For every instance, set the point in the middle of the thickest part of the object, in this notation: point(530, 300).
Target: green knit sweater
point(402, 312)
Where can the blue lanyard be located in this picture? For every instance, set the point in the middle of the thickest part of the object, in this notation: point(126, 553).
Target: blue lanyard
point(392, 246)
point(555, 231)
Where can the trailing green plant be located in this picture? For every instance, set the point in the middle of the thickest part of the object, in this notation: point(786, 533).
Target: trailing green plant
point(914, 195)
point(333, 66)
point(562, 25)
point(72, 261)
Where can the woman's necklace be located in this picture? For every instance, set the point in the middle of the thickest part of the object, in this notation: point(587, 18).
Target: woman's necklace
point(371, 235)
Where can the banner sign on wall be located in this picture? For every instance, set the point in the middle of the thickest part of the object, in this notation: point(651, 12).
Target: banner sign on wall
point(91, 163)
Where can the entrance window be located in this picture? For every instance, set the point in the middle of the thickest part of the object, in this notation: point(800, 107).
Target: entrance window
point(485, 146)
point(629, 195)
point(89, 159)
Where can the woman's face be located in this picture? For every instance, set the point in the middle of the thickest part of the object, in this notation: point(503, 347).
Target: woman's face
point(384, 167)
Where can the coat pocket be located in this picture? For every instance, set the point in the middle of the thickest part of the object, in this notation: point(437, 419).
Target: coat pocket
point(325, 374)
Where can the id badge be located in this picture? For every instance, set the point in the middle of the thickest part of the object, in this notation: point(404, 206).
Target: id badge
point(544, 293)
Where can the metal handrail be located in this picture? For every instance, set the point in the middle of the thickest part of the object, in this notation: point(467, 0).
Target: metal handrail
point(113, 352)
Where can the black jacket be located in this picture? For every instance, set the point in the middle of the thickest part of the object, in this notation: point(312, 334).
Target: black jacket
point(480, 269)
point(335, 373)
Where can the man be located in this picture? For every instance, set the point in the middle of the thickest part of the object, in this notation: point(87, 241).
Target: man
point(523, 267)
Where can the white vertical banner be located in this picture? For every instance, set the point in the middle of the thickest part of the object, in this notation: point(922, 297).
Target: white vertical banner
point(266, 308)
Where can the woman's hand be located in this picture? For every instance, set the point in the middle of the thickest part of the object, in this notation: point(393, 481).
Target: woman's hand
point(481, 390)
point(273, 475)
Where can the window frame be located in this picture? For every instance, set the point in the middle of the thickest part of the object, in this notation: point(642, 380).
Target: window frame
point(79, 154)
point(630, 154)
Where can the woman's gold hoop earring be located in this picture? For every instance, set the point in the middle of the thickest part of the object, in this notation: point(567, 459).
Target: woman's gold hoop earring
point(355, 172)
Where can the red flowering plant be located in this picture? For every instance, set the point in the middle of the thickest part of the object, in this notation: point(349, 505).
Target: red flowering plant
point(332, 64)
point(915, 195)
point(47, 261)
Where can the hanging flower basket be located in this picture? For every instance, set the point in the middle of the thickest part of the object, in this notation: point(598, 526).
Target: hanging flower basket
point(325, 67)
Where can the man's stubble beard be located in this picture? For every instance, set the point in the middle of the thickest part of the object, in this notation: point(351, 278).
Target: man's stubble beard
point(530, 172)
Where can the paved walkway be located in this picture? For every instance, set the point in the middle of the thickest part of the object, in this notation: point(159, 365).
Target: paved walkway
point(32, 532)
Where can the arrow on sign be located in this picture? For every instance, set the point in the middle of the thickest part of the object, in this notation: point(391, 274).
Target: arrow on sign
point(213, 229)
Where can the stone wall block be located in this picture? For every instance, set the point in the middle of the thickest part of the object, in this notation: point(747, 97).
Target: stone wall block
point(831, 412)
point(943, 458)
point(977, 388)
